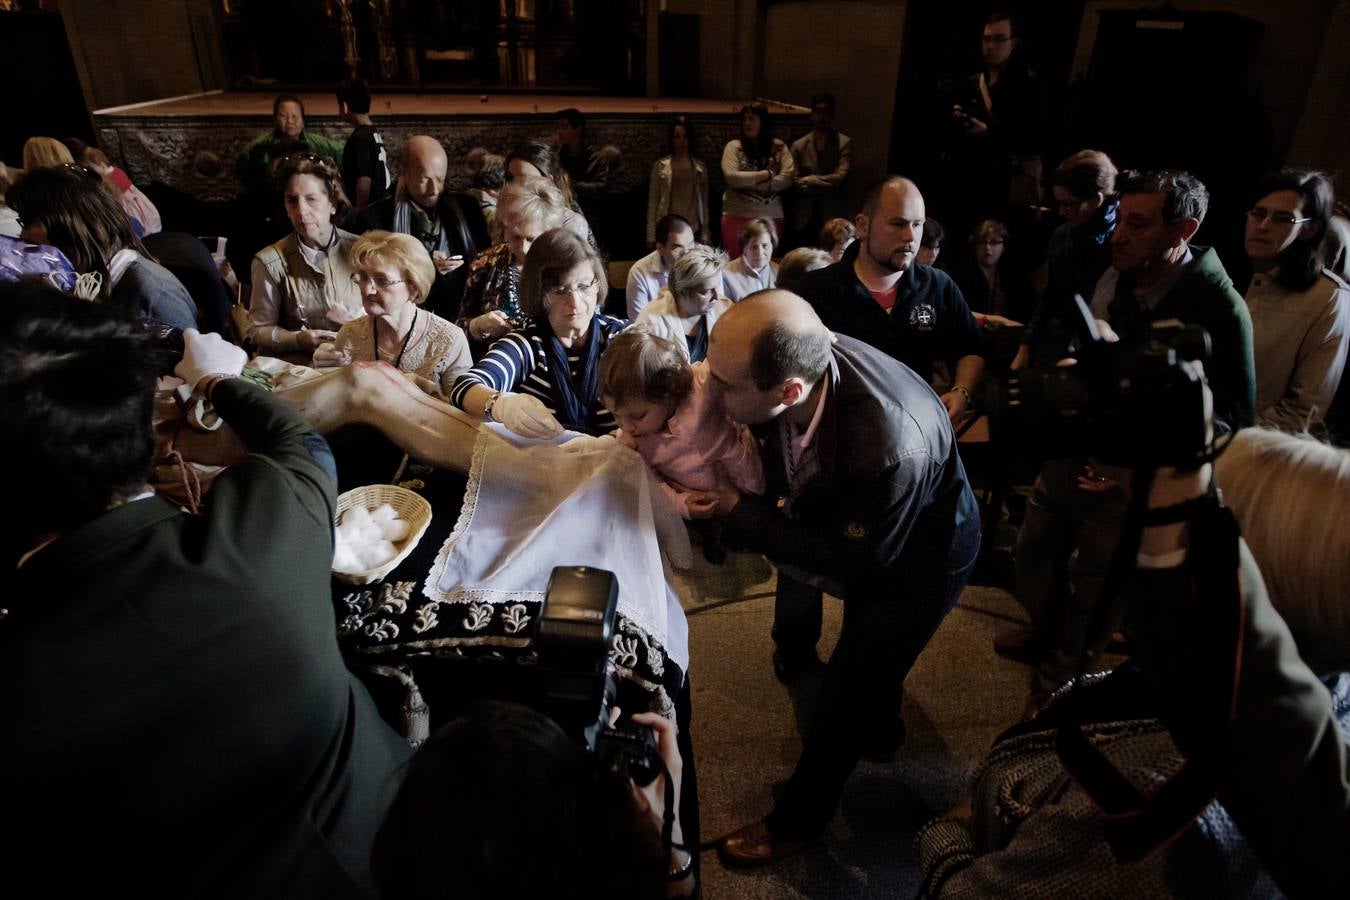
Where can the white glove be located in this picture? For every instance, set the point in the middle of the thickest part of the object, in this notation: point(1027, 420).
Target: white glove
point(526, 416)
point(208, 354)
point(327, 355)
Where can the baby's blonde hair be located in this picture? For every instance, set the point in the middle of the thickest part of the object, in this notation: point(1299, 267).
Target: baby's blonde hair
point(639, 365)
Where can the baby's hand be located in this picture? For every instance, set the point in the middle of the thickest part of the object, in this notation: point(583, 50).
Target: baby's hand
point(701, 505)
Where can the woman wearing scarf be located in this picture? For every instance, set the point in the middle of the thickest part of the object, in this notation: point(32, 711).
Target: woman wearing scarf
point(1078, 253)
point(302, 285)
point(685, 313)
point(543, 376)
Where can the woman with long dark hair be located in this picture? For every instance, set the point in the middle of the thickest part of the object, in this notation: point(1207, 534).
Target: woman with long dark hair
point(1300, 312)
point(758, 168)
point(679, 184)
point(66, 206)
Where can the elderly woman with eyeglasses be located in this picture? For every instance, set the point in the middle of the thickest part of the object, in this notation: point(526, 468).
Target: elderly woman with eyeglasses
point(543, 377)
point(302, 285)
point(394, 272)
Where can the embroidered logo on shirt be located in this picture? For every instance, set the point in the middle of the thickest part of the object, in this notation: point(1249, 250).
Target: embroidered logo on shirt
point(855, 531)
point(923, 317)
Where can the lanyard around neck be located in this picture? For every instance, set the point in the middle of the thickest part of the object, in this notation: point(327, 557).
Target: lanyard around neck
point(375, 339)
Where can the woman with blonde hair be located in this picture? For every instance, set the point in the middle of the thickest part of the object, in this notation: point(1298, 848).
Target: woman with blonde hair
point(394, 273)
point(45, 152)
point(526, 208)
point(686, 312)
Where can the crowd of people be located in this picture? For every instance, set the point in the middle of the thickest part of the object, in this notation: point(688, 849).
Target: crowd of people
point(175, 704)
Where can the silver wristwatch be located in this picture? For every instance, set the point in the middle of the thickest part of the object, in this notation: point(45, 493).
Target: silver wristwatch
point(488, 404)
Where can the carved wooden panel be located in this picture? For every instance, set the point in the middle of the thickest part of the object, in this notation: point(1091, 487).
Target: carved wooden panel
point(197, 153)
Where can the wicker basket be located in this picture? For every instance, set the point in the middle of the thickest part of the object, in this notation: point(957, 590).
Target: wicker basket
point(411, 508)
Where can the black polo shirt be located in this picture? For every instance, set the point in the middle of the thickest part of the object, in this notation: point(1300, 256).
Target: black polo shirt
point(929, 321)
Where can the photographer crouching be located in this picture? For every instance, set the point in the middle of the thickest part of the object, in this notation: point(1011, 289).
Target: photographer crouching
point(501, 802)
point(1214, 762)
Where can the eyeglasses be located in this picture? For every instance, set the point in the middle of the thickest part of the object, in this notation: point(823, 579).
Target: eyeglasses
point(380, 282)
point(563, 290)
point(1260, 214)
point(995, 38)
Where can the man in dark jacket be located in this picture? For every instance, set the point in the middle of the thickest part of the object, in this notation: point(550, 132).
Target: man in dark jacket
point(877, 293)
point(449, 224)
point(867, 499)
point(172, 697)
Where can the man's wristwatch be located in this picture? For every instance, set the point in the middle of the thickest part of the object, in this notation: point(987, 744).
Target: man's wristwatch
point(963, 392)
point(488, 404)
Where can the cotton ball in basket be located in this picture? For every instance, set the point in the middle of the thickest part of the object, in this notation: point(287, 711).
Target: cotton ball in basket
point(357, 515)
point(344, 559)
point(383, 513)
point(375, 555)
point(396, 530)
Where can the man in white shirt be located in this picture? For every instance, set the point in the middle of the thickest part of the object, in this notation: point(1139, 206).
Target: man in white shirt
point(651, 274)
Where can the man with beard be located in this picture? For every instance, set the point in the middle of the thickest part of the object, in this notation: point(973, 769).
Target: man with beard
point(877, 293)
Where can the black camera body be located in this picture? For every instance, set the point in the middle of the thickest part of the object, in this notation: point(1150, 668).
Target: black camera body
point(580, 683)
point(1136, 404)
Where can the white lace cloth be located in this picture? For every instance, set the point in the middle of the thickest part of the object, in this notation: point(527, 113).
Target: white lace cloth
point(531, 506)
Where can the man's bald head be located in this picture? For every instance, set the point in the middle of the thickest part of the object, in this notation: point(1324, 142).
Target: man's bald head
point(424, 167)
point(896, 186)
point(890, 227)
point(766, 354)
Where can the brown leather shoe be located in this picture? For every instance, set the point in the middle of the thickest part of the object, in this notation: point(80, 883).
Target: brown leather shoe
point(1018, 643)
point(754, 845)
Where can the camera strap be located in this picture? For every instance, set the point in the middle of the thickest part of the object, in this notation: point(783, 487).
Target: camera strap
point(1212, 617)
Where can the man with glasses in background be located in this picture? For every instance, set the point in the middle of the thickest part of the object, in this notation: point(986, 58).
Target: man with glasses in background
point(999, 117)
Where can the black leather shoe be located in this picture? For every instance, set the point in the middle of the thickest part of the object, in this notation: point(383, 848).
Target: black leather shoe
point(788, 668)
point(755, 845)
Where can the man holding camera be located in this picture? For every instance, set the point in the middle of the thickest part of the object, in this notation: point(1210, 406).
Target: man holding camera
point(867, 499)
point(1156, 275)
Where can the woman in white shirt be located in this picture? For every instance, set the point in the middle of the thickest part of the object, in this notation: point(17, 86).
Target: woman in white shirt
point(754, 269)
point(679, 185)
point(1300, 312)
point(686, 311)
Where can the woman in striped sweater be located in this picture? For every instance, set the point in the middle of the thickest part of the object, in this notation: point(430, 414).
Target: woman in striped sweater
point(542, 377)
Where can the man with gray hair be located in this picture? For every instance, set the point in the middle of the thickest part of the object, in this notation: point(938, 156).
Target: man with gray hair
point(867, 499)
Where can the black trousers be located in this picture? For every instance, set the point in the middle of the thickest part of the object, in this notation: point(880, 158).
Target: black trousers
point(882, 636)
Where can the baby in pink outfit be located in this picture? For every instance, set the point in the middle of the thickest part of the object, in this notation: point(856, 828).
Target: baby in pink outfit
point(668, 413)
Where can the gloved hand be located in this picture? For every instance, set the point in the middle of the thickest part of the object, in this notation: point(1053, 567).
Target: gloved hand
point(205, 355)
point(327, 355)
point(526, 416)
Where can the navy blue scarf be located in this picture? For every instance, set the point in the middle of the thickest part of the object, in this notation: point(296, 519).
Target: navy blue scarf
point(575, 401)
